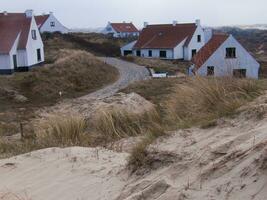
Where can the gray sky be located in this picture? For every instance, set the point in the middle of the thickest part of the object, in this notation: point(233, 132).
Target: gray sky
point(96, 13)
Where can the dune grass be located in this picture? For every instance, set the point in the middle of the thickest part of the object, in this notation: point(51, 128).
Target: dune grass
point(195, 102)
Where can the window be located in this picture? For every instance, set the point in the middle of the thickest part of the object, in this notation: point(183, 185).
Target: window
point(230, 53)
point(52, 24)
point(39, 57)
point(150, 53)
point(210, 71)
point(127, 52)
point(138, 53)
point(240, 73)
point(15, 62)
point(34, 34)
point(194, 52)
point(199, 38)
point(163, 54)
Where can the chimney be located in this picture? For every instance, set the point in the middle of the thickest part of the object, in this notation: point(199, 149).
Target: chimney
point(198, 22)
point(50, 13)
point(174, 23)
point(5, 13)
point(145, 24)
point(29, 13)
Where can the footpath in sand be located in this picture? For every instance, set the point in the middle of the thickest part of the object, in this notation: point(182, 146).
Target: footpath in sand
point(226, 162)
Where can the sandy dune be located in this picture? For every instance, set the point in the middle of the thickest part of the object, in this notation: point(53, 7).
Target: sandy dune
point(67, 174)
point(226, 162)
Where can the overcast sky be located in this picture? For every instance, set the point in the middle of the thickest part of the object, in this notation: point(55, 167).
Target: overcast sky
point(96, 13)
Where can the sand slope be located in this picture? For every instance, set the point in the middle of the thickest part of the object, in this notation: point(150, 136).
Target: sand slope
point(67, 174)
point(226, 162)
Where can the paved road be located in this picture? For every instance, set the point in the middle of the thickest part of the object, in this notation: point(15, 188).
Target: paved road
point(129, 73)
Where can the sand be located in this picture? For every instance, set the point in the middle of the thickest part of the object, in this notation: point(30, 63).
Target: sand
point(225, 162)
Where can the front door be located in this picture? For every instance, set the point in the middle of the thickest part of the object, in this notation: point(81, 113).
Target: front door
point(15, 62)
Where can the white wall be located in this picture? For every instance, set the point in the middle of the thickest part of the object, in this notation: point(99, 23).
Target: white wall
point(33, 45)
point(109, 29)
point(156, 53)
point(5, 62)
point(178, 51)
point(46, 27)
point(224, 66)
point(194, 44)
point(128, 47)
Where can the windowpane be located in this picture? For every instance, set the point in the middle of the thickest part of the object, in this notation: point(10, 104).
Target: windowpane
point(230, 52)
point(150, 53)
point(163, 54)
point(34, 34)
point(199, 38)
point(210, 70)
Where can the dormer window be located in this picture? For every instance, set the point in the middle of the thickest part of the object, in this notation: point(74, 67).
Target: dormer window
point(34, 37)
point(52, 24)
point(199, 38)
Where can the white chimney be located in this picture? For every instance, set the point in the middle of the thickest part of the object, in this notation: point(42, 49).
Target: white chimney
point(29, 13)
point(5, 13)
point(145, 24)
point(174, 23)
point(208, 33)
point(50, 13)
point(198, 22)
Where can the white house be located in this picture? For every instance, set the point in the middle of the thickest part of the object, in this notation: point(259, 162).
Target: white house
point(170, 41)
point(21, 46)
point(128, 49)
point(49, 23)
point(223, 55)
point(121, 30)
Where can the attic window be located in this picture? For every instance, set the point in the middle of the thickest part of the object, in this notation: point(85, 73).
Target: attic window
point(34, 37)
point(230, 52)
point(52, 24)
point(160, 34)
point(199, 38)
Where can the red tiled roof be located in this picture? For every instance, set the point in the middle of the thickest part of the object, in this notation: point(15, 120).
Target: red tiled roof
point(11, 25)
point(165, 36)
point(124, 27)
point(40, 20)
point(206, 51)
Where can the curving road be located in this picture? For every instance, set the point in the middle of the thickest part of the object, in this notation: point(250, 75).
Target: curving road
point(129, 73)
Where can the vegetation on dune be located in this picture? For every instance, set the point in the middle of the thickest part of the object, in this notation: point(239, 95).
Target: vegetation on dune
point(180, 103)
point(73, 74)
point(98, 44)
point(193, 102)
point(172, 67)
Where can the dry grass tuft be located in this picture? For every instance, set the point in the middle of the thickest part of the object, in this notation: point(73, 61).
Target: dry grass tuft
point(63, 131)
point(114, 125)
point(202, 100)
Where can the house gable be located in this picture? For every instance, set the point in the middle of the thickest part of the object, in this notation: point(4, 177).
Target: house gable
point(52, 24)
point(224, 66)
